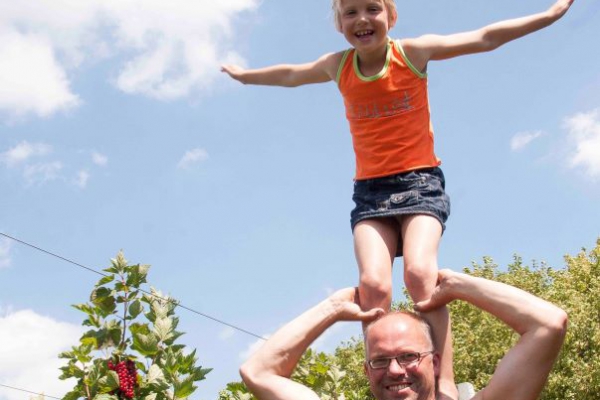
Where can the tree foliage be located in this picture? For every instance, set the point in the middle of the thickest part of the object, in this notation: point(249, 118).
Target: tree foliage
point(130, 350)
point(481, 340)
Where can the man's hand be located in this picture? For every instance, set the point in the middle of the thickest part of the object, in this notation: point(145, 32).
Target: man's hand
point(347, 305)
point(267, 373)
point(441, 295)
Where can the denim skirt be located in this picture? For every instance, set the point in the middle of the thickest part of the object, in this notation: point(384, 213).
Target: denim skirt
point(415, 192)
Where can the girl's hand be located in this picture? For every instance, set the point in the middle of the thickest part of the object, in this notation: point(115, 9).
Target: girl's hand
point(347, 306)
point(559, 8)
point(234, 71)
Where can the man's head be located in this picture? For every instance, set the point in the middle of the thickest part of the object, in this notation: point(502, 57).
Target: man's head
point(397, 334)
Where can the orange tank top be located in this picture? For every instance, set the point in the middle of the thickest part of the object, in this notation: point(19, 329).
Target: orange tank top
point(388, 115)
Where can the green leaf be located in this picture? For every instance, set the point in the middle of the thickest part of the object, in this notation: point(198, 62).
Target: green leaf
point(155, 374)
point(174, 336)
point(109, 382)
point(102, 298)
point(137, 275)
point(132, 295)
point(136, 327)
point(185, 388)
point(170, 364)
point(71, 371)
point(135, 309)
point(105, 396)
point(163, 328)
point(73, 395)
point(187, 362)
point(105, 280)
point(147, 345)
point(199, 373)
point(90, 338)
point(156, 379)
point(120, 263)
point(121, 287)
point(86, 308)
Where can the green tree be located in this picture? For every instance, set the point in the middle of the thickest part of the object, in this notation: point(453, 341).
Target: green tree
point(481, 340)
point(121, 357)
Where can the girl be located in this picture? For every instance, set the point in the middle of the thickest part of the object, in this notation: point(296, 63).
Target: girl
point(401, 205)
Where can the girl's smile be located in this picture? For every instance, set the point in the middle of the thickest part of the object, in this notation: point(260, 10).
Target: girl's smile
point(365, 24)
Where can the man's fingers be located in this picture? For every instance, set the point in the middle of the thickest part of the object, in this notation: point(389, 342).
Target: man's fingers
point(371, 314)
point(436, 301)
point(423, 306)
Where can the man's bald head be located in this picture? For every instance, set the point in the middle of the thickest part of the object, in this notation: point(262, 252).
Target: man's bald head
point(416, 318)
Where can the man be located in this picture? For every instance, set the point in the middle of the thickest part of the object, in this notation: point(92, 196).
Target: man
point(401, 361)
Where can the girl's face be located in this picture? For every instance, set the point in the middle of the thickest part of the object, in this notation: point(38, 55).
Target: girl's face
point(365, 23)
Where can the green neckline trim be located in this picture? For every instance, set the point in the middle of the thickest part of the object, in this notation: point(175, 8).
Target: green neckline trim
point(376, 76)
point(341, 66)
point(407, 61)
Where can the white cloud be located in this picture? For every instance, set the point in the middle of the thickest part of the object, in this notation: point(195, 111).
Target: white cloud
point(170, 48)
point(42, 172)
point(192, 157)
point(226, 333)
point(31, 78)
point(34, 161)
point(24, 156)
point(99, 159)
point(522, 139)
point(179, 45)
point(29, 348)
point(5, 259)
point(584, 137)
point(82, 179)
point(23, 152)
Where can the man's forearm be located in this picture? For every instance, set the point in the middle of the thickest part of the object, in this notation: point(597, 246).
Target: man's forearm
point(518, 309)
point(280, 354)
point(267, 372)
point(522, 373)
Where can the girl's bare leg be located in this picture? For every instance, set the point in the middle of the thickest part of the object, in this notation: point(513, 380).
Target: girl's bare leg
point(375, 242)
point(421, 237)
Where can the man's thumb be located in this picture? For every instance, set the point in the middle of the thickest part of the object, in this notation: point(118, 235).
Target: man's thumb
point(423, 306)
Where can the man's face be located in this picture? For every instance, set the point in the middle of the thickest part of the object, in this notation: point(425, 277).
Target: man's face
point(391, 336)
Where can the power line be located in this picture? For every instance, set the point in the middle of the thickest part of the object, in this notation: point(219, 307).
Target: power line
point(29, 391)
point(141, 290)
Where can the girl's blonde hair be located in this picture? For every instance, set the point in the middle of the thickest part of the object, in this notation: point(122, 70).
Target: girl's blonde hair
point(390, 6)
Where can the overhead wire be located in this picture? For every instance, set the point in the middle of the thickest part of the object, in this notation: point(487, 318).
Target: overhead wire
point(177, 304)
point(29, 391)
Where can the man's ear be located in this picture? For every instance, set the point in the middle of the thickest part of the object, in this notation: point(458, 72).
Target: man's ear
point(436, 364)
point(366, 368)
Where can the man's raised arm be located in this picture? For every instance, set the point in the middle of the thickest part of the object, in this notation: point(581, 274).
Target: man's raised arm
point(522, 373)
point(267, 373)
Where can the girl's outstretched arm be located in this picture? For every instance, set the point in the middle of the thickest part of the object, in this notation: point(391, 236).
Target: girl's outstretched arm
point(289, 75)
point(439, 47)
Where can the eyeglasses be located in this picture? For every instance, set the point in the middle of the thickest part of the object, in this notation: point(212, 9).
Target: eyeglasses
point(404, 359)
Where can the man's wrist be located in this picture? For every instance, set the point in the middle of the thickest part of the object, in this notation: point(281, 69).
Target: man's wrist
point(455, 284)
point(331, 310)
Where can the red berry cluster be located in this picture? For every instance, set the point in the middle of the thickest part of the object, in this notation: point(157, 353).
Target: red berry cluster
point(127, 377)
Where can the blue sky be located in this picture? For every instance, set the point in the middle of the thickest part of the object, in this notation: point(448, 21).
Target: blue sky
point(117, 131)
